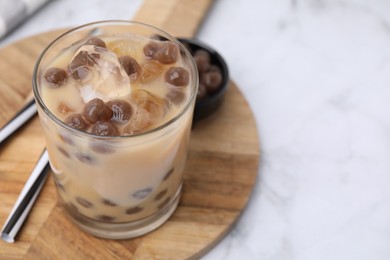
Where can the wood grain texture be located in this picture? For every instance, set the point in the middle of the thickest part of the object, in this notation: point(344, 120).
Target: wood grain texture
point(219, 177)
point(181, 18)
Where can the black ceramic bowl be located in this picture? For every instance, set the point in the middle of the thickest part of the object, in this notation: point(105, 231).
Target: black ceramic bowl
point(212, 102)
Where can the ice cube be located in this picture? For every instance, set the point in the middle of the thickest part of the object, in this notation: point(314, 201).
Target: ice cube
point(131, 47)
point(139, 123)
point(99, 74)
point(150, 112)
point(150, 71)
point(156, 106)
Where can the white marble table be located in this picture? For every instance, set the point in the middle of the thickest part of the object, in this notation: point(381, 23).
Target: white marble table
point(317, 76)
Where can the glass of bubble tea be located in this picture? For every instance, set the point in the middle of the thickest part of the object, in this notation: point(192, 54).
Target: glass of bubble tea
point(115, 100)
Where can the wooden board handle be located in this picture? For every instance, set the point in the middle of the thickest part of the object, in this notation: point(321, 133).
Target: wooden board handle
point(181, 18)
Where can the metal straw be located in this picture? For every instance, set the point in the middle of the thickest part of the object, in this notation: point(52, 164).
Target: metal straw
point(23, 115)
point(34, 183)
point(26, 199)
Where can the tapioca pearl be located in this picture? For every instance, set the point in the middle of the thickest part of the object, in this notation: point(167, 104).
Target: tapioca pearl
point(96, 41)
point(84, 202)
point(167, 53)
point(164, 52)
point(150, 48)
point(141, 194)
point(96, 110)
point(56, 77)
point(164, 203)
point(63, 151)
point(101, 148)
point(214, 68)
point(105, 129)
point(76, 121)
point(105, 218)
point(160, 195)
point(176, 96)
point(212, 80)
point(133, 210)
point(121, 110)
point(85, 158)
point(202, 92)
point(131, 66)
point(108, 202)
point(202, 60)
point(168, 174)
point(177, 76)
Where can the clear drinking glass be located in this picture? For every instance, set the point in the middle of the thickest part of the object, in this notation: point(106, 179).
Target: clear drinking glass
point(120, 186)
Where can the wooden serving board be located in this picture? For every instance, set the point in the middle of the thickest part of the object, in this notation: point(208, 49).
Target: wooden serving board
point(219, 177)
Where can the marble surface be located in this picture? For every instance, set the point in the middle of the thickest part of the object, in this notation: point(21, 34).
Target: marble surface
point(317, 76)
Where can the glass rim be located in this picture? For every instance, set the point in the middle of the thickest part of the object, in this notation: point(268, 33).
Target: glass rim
point(46, 110)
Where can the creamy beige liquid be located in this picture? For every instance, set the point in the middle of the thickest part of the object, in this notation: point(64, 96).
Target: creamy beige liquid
point(117, 179)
